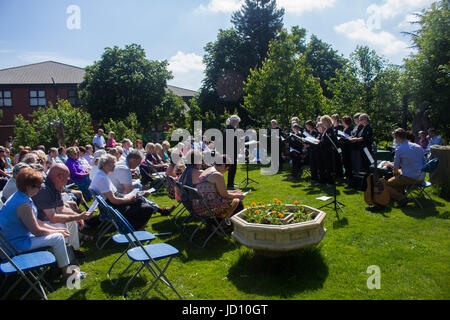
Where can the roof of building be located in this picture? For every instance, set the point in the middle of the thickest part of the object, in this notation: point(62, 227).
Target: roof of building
point(50, 72)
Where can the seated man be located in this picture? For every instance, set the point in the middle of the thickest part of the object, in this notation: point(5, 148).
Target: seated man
point(122, 179)
point(51, 207)
point(433, 139)
point(408, 163)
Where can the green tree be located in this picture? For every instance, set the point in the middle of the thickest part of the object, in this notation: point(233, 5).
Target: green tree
point(282, 88)
point(77, 126)
point(323, 62)
point(428, 70)
point(124, 129)
point(124, 81)
point(258, 22)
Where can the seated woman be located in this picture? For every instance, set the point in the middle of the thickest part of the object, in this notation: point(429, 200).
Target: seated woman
point(152, 158)
point(191, 176)
point(78, 174)
point(135, 209)
point(220, 201)
point(19, 223)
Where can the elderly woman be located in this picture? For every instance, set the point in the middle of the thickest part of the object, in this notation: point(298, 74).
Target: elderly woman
point(326, 150)
point(212, 186)
point(159, 155)
point(153, 158)
point(19, 223)
point(136, 210)
point(97, 155)
point(10, 187)
point(78, 174)
point(111, 143)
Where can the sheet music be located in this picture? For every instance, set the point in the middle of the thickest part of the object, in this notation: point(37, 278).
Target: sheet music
point(132, 193)
point(343, 134)
point(306, 134)
point(312, 140)
point(369, 156)
point(93, 207)
point(294, 150)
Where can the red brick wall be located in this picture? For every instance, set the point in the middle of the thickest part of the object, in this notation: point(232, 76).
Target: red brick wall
point(21, 104)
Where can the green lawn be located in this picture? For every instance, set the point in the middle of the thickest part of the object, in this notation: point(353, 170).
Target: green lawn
point(411, 247)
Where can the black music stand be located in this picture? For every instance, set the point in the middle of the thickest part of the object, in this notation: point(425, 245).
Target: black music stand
point(336, 203)
point(247, 180)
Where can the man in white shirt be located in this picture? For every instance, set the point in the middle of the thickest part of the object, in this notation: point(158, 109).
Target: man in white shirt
point(89, 155)
point(99, 141)
point(122, 180)
point(127, 148)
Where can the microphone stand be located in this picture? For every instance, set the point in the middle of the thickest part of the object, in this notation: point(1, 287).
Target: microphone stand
point(336, 203)
point(247, 161)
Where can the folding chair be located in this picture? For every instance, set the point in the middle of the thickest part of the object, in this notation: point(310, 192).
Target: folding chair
point(143, 236)
point(146, 254)
point(152, 176)
point(416, 191)
point(171, 183)
point(30, 267)
point(106, 226)
point(193, 194)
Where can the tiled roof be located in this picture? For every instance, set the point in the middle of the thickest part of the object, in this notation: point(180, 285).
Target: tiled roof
point(42, 73)
point(49, 71)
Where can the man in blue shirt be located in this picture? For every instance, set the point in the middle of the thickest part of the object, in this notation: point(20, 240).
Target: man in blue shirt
point(99, 141)
point(433, 139)
point(408, 163)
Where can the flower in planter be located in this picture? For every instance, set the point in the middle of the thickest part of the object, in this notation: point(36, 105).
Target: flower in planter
point(296, 202)
point(281, 216)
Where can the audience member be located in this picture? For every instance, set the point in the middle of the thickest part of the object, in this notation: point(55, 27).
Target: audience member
point(99, 141)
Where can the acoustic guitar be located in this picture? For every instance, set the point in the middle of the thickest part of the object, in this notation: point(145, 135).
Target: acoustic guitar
point(376, 192)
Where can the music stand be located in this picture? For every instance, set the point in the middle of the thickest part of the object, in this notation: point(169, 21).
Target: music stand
point(336, 203)
point(247, 180)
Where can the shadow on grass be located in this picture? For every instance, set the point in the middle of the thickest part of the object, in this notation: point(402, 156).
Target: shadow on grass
point(283, 276)
point(380, 210)
point(341, 223)
point(214, 249)
point(137, 286)
point(429, 210)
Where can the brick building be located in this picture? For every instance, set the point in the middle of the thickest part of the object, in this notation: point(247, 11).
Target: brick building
point(24, 89)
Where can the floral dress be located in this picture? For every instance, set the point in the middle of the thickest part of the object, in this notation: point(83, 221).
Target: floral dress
point(220, 207)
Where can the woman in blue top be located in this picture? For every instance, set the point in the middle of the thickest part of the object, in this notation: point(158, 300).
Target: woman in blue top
point(19, 223)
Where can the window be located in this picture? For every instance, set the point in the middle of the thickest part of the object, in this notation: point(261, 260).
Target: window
point(5, 99)
point(37, 98)
point(73, 98)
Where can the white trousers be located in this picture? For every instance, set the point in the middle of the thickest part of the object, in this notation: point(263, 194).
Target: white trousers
point(57, 245)
point(74, 239)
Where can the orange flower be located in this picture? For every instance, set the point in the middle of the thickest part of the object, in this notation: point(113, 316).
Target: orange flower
point(279, 202)
point(274, 212)
point(253, 204)
point(257, 212)
point(247, 207)
point(275, 199)
point(281, 215)
point(296, 202)
point(263, 207)
point(259, 203)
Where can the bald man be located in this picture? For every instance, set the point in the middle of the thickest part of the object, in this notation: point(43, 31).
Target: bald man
point(51, 207)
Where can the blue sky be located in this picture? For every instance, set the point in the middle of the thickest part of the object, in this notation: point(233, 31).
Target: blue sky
point(178, 30)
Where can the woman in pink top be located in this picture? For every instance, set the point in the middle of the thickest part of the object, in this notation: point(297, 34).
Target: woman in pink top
point(111, 142)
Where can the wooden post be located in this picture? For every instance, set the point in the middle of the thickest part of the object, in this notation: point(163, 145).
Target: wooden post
point(442, 173)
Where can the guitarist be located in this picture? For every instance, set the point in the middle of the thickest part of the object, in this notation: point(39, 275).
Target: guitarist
point(408, 163)
point(377, 193)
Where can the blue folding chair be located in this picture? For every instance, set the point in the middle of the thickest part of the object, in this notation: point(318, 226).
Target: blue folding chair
point(120, 239)
point(416, 191)
point(30, 267)
point(106, 226)
point(147, 255)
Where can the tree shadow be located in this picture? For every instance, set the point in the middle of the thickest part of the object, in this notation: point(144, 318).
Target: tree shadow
point(341, 223)
point(380, 210)
point(283, 276)
point(429, 210)
point(78, 295)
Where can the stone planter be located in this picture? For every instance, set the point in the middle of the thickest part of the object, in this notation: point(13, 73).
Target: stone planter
point(272, 239)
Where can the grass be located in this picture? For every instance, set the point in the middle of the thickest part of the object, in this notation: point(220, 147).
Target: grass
point(410, 245)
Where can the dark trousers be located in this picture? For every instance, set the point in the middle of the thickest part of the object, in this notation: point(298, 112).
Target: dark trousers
point(297, 163)
point(314, 164)
point(326, 168)
point(231, 176)
point(347, 159)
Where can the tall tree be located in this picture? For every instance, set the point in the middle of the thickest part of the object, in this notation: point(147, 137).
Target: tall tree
point(428, 71)
point(323, 62)
point(282, 88)
point(258, 22)
point(124, 81)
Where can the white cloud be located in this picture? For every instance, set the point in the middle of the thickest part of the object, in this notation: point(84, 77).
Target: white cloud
point(408, 21)
point(358, 30)
point(392, 8)
point(35, 57)
point(291, 6)
point(187, 69)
